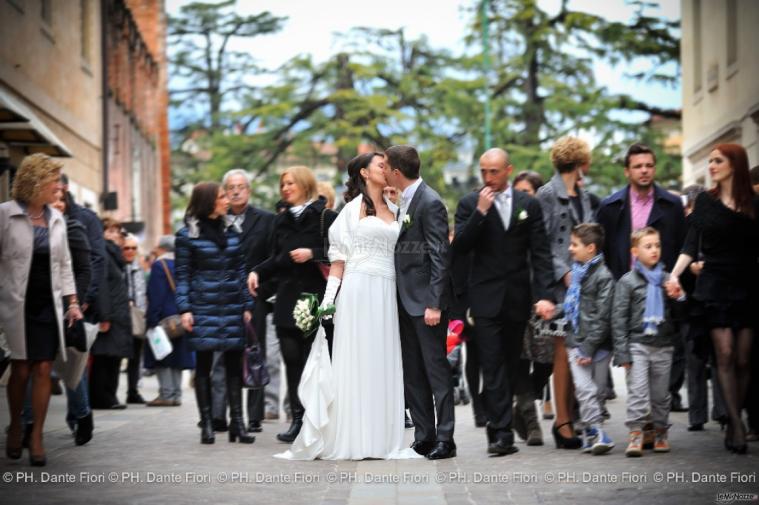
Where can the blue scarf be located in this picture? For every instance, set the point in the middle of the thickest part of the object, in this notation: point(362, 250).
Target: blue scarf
point(654, 313)
point(572, 299)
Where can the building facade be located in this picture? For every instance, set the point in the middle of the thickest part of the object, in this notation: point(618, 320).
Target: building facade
point(720, 80)
point(96, 95)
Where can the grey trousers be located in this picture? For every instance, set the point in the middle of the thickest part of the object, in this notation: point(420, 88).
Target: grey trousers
point(590, 387)
point(218, 387)
point(648, 386)
point(169, 383)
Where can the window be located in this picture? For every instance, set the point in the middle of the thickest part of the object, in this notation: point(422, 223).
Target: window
point(86, 30)
point(732, 33)
point(697, 56)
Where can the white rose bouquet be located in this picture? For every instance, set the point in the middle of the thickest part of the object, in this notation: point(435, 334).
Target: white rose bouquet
point(307, 313)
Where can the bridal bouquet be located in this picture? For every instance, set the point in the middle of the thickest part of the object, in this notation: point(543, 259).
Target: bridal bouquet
point(307, 313)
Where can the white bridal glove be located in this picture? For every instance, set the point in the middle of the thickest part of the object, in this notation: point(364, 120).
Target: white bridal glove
point(330, 292)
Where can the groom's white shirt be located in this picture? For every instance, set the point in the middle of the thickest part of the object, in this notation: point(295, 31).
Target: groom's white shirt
point(407, 196)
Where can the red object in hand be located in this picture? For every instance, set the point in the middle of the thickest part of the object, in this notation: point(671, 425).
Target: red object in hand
point(455, 328)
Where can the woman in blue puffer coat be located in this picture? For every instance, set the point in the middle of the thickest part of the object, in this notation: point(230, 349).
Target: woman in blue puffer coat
point(213, 300)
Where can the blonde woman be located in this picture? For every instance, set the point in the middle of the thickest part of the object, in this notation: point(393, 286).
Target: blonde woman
point(564, 205)
point(299, 245)
point(35, 265)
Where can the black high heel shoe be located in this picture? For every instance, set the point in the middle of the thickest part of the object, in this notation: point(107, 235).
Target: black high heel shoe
point(563, 442)
point(37, 460)
point(10, 451)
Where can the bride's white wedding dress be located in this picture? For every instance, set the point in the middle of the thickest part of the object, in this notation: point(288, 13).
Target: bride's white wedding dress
point(355, 405)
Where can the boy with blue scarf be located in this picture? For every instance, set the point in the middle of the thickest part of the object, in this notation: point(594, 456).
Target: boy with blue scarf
point(587, 308)
point(643, 341)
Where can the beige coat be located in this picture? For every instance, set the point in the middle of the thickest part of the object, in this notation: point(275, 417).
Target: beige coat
point(16, 247)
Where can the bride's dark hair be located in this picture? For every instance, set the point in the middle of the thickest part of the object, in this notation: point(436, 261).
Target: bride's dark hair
point(356, 184)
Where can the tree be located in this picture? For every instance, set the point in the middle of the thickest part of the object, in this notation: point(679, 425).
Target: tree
point(208, 71)
point(543, 84)
point(382, 89)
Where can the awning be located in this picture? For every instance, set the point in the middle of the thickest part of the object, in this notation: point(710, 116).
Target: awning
point(22, 128)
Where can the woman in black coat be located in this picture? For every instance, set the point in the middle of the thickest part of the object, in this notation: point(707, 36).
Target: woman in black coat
point(213, 301)
point(114, 341)
point(299, 247)
point(724, 230)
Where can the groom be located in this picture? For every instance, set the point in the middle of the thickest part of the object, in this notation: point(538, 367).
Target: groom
point(421, 267)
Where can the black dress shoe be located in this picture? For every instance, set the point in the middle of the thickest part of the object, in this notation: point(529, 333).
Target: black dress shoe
point(220, 425)
point(502, 448)
point(255, 427)
point(443, 450)
point(118, 406)
point(423, 447)
point(135, 397)
point(480, 421)
point(696, 427)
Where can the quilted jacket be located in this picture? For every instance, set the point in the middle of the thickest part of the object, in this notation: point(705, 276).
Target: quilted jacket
point(211, 284)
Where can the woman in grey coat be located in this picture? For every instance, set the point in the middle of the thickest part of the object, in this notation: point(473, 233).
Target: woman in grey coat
point(565, 204)
point(35, 265)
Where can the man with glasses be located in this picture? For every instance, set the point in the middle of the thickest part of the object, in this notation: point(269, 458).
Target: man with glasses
point(254, 225)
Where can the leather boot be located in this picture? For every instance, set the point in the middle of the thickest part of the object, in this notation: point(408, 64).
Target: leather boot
point(84, 427)
point(203, 397)
point(237, 430)
point(298, 411)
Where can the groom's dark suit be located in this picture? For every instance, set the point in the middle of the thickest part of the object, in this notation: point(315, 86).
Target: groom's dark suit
point(510, 270)
point(421, 266)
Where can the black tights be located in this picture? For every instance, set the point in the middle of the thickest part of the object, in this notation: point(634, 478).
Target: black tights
point(294, 349)
point(232, 363)
point(733, 355)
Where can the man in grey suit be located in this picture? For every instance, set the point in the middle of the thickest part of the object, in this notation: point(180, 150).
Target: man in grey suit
point(422, 277)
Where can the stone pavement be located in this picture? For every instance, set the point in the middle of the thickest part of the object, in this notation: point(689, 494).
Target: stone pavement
point(147, 455)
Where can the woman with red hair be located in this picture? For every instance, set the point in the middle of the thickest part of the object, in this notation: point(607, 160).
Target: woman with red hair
point(725, 232)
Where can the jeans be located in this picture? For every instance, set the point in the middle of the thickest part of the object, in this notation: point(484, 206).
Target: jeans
point(78, 401)
point(590, 387)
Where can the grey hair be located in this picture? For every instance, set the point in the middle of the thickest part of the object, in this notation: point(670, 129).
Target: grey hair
point(234, 172)
point(166, 242)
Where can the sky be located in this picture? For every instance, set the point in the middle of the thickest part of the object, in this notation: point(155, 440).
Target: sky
point(312, 27)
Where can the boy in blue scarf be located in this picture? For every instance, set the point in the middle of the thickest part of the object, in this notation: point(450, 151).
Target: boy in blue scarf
point(643, 341)
point(587, 308)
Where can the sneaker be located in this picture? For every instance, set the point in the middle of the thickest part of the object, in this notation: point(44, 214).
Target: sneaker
point(589, 437)
point(635, 446)
point(603, 443)
point(661, 444)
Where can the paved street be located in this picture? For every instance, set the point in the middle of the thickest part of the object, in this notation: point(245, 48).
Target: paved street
point(152, 455)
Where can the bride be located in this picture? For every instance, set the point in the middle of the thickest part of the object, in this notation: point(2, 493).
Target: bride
point(354, 404)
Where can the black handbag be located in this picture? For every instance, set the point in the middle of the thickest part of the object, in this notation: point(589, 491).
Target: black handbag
point(255, 374)
point(75, 336)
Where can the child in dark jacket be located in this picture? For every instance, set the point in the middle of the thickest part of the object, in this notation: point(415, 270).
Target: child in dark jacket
point(587, 308)
point(644, 341)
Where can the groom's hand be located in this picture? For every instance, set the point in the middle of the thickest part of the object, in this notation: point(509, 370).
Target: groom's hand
point(432, 317)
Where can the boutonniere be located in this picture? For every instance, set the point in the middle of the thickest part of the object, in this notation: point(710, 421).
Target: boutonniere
point(522, 215)
point(407, 222)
